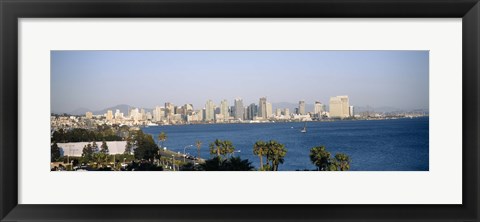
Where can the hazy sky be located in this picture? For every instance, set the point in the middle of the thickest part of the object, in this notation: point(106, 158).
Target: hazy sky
point(99, 79)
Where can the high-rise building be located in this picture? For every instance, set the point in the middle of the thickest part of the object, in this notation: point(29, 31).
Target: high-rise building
point(158, 114)
point(318, 109)
point(252, 111)
point(148, 116)
point(224, 109)
point(269, 110)
point(88, 115)
point(262, 108)
point(142, 114)
point(352, 112)
point(339, 107)
point(245, 113)
point(287, 112)
point(278, 112)
point(209, 111)
point(109, 115)
point(301, 108)
point(134, 114)
point(239, 109)
point(188, 109)
point(118, 114)
point(169, 109)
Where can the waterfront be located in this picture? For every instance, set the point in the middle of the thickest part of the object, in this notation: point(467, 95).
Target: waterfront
point(380, 145)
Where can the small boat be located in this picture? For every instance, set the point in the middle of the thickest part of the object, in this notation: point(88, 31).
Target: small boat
point(304, 130)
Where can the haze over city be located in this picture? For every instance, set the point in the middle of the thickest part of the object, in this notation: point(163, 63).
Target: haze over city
point(96, 80)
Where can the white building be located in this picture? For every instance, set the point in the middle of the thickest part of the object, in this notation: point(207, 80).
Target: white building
point(76, 149)
point(339, 107)
point(209, 111)
point(224, 109)
point(318, 109)
point(269, 110)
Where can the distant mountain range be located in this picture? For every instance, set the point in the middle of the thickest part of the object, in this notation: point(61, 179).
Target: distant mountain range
point(122, 107)
point(282, 105)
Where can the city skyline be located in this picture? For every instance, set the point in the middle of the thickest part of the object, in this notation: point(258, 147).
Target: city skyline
point(149, 78)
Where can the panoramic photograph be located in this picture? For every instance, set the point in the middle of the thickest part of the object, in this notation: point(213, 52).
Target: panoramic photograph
point(239, 110)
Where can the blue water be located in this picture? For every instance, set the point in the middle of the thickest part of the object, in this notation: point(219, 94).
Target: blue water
point(375, 145)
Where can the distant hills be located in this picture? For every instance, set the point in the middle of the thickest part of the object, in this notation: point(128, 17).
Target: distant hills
point(122, 107)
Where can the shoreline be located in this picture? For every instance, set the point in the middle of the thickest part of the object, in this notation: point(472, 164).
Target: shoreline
point(273, 122)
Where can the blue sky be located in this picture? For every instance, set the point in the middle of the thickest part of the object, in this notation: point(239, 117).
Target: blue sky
point(99, 79)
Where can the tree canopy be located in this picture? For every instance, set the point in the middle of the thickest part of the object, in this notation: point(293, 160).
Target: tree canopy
point(146, 149)
point(221, 148)
point(54, 152)
point(320, 157)
point(273, 151)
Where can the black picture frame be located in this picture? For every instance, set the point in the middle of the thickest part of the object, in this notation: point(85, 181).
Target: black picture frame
point(12, 10)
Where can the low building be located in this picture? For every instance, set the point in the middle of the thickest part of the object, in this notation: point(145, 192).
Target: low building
point(76, 148)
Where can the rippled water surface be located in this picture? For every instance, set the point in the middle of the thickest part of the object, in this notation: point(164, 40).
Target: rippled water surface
point(375, 145)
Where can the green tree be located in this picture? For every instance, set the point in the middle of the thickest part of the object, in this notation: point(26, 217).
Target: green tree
point(95, 147)
point(221, 148)
point(260, 149)
point(198, 144)
point(100, 158)
point(215, 148)
point(146, 147)
point(320, 157)
point(237, 164)
point(54, 152)
point(342, 162)
point(128, 147)
point(275, 154)
point(104, 148)
point(87, 153)
point(162, 137)
point(227, 147)
point(230, 164)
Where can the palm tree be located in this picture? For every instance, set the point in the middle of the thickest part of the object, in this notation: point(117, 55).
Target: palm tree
point(259, 149)
point(227, 147)
point(198, 143)
point(276, 153)
point(215, 147)
point(221, 148)
point(237, 164)
point(342, 161)
point(320, 157)
point(162, 137)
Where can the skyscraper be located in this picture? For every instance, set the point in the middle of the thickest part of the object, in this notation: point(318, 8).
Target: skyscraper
point(239, 109)
point(224, 109)
point(318, 109)
point(339, 107)
point(262, 108)
point(118, 114)
point(269, 110)
point(209, 111)
point(252, 110)
point(158, 114)
point(352, 112)
point(134, 114)
point(169, 109)
point(278, 112)
point(301, 107)
point(109, 115)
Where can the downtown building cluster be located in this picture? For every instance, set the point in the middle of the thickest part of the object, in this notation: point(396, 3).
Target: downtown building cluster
point(224, 112)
